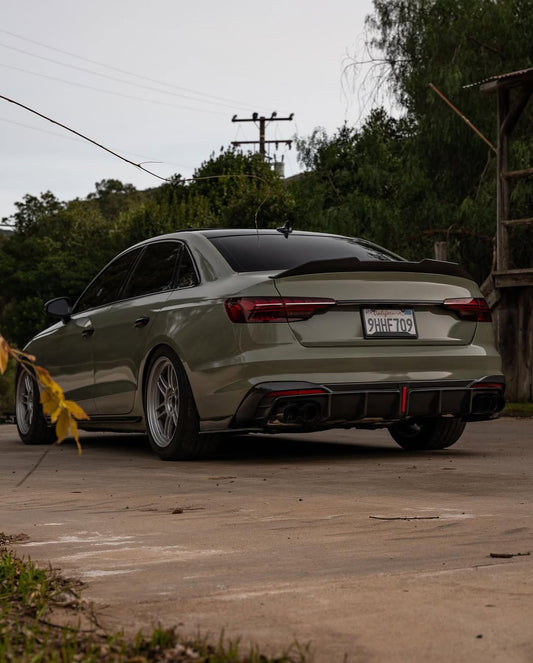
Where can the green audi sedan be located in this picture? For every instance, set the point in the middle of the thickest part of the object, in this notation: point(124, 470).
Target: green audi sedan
point(200, 333)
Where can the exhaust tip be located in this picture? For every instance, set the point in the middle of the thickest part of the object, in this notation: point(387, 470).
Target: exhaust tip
point(303, 413)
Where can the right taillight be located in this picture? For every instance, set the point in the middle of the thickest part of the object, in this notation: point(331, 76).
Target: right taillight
point(474, 309)
point(275, 309)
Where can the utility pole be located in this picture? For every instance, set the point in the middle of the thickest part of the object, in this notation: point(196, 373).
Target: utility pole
point(262, 130)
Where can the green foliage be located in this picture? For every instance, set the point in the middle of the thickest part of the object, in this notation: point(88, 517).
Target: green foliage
point(56, 248)
point(363, 183)
point(447, 173)
point(239, 191)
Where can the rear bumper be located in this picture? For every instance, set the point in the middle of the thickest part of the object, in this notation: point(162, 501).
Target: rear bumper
point(303, 406)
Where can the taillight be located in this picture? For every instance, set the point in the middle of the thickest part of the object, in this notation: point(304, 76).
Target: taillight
point(487, 385)
point(297, 392)
point(473, 309)
point(275, 309)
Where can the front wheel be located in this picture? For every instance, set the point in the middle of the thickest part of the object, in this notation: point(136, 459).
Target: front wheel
point(172, 420)
point(31, 423)
point(427, 435)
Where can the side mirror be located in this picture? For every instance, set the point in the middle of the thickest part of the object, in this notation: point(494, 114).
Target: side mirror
point(59, 308)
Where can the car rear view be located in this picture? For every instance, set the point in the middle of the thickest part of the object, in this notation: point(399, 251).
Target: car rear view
point(379, 341)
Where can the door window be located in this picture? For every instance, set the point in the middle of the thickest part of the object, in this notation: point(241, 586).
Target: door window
point(187, 276)
point(155, 271)
point(107, 286)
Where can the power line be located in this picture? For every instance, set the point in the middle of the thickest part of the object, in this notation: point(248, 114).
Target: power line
point(43, 131)
point(122, 158)
point(146, 159)
point(122, 71)
point(116, 94)
point(140, 165)
point(90, 140)
point(114, 78)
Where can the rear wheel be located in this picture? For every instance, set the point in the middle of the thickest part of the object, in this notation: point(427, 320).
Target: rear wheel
point(427, 435)
point(31, 423)
point(171, 417)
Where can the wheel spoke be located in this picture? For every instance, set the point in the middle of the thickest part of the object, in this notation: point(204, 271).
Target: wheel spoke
point(162, 385)
point(169, 428)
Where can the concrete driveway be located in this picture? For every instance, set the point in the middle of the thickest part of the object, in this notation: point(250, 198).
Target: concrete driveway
point(341, 540)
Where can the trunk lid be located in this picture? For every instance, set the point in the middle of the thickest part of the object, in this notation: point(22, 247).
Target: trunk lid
point(378, 303)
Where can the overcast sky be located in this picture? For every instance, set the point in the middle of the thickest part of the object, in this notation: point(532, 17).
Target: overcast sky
point(160, 81)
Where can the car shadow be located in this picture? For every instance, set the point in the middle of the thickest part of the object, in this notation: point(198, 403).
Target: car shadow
point(241, 448)
point(298, 447)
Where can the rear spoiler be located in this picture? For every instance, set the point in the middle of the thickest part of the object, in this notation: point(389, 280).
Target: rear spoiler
point(425, 266)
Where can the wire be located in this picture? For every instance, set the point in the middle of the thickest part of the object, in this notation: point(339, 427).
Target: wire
point(141, 167)
point(117, 94)
point(124, 71)
point(114, 78)
point(80, 140)
point(90, 140)
point(44, 131)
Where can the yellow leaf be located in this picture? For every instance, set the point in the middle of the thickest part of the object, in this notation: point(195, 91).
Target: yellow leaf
point(51, 404)
point(45, 378)
point(75, 410)
point(4, 354)
point(63, 425)
point(74, 433)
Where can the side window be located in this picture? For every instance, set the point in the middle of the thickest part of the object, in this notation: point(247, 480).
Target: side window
point(187, 276)
point(107, 285)
point(155, 270)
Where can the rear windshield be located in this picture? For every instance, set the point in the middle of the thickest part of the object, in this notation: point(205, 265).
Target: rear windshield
point(257, 253)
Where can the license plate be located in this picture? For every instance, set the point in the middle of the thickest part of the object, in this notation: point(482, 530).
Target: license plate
point(389, 323)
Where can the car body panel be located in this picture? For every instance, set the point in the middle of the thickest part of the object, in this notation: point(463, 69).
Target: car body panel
point(118, 346)
point(353, 292)
point(68, 356)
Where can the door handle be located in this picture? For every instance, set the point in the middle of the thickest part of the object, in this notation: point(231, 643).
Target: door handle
point(88, 332)
point(141, 322)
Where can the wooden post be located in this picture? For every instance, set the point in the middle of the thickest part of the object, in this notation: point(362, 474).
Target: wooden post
point(440, 250)
point(502, 194)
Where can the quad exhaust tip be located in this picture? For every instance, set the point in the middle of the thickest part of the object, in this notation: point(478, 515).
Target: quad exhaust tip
point(301, 414)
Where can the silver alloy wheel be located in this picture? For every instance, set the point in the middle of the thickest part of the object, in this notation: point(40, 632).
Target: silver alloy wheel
point(25, 409)
point(162, 401)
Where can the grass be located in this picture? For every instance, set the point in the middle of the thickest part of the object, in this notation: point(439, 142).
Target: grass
point(43, 619)
point(518, 410)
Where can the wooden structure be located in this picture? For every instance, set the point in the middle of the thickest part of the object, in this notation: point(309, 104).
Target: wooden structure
point(509, 290)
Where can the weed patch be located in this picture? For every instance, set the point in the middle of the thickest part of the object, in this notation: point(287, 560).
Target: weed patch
point(518, 410)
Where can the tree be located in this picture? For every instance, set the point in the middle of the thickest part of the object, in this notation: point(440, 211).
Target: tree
point(113, 197)
point(453, 44)
point(56, 248)
point(359, 182)
point(237, 190)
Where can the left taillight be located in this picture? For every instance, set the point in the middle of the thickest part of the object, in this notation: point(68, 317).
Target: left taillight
point(275, 309)
point(474, 309)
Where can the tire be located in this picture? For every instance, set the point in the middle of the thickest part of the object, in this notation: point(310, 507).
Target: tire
point(31, 423)
point(428, 435)
point(172, 421)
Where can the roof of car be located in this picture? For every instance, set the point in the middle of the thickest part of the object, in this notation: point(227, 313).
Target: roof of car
point(220, 232)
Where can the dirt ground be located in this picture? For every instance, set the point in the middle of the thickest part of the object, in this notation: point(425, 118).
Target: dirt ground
point(341, 540)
